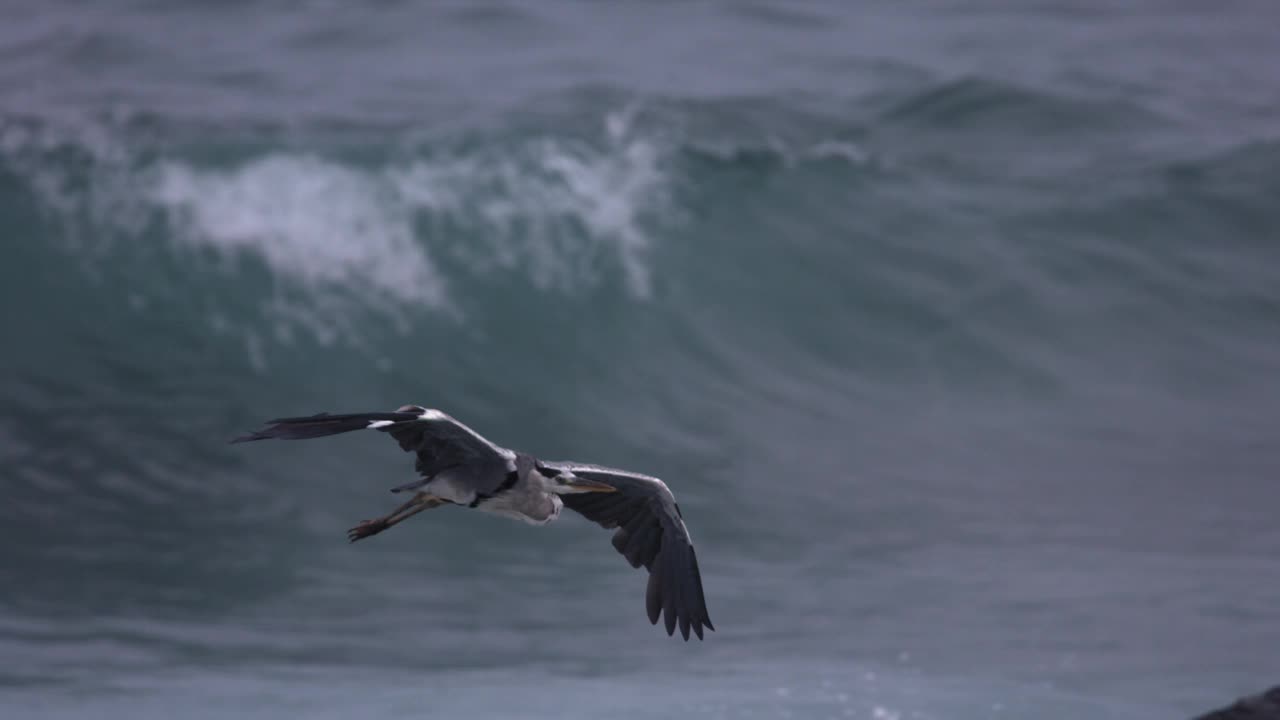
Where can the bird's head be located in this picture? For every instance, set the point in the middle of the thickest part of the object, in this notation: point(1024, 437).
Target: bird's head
point(566, 483)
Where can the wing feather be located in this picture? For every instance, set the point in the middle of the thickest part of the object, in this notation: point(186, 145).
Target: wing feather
point(653, 599)
point(439, 441)
point(650, 533)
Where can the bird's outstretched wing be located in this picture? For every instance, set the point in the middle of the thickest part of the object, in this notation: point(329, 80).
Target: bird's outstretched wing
point(651, 533)
point(438, 439)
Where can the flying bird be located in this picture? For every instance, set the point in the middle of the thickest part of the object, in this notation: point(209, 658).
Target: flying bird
point(458, 466)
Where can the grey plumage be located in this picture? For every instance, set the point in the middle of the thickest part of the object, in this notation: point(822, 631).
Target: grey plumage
point(651, 534)
point(458, 466)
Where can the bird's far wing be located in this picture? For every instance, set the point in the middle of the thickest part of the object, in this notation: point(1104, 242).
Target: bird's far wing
point(651, 533)
point(438, 439)
point(441, 442)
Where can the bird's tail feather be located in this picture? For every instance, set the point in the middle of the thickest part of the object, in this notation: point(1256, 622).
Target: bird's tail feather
point(314, 426)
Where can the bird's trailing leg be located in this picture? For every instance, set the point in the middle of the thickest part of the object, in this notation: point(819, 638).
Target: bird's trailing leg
point(421, 501)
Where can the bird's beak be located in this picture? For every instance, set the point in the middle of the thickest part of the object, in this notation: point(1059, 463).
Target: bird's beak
point(585, 485)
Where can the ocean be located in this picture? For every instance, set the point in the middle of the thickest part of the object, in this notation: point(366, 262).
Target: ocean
point(954, 327)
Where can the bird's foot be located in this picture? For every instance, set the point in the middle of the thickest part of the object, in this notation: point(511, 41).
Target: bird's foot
point(366, 528)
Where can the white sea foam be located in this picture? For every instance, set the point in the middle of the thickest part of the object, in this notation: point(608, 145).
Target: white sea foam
point(557, 209)
point(310, 219)
point(840, 150)
point(341, 239)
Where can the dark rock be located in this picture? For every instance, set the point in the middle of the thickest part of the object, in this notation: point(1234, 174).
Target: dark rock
point(1264, 706)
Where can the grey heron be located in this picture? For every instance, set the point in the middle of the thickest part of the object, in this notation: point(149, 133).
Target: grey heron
point(458, 466)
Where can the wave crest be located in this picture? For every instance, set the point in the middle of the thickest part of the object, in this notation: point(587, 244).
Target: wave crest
point(567, 212)
point(311, 219)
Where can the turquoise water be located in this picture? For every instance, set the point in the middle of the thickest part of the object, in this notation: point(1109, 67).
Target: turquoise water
point(954, 328)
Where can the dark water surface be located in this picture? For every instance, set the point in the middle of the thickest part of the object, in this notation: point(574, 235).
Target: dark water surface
point(955, 327)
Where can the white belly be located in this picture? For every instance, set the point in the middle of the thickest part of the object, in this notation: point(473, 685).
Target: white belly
point(448, 487)
point(540, 511)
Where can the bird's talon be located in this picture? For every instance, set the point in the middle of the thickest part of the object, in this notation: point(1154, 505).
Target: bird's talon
point(365, 529)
